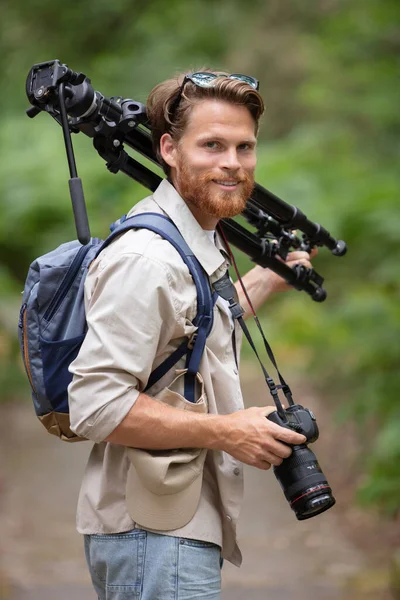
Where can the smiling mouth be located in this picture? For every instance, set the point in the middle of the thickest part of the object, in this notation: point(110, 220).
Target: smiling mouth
point(226, 184)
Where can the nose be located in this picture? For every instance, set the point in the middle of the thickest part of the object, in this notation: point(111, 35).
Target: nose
point(230, 160)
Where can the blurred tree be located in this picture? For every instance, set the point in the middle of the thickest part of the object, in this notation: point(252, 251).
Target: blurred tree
point(329, 144)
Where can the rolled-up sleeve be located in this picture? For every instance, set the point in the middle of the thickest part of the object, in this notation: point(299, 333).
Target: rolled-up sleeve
point(131, 313)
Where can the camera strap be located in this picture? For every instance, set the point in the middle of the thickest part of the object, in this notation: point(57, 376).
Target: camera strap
point(226, 289)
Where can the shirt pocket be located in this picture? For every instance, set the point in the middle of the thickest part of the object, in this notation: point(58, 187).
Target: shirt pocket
point(173, 394)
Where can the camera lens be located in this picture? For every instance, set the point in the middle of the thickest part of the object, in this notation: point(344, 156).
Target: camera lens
point(304, 484)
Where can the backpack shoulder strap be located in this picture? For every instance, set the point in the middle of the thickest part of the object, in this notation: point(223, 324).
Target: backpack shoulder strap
point(164, 227)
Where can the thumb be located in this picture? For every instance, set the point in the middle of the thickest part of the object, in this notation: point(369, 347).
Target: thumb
point(267, 410)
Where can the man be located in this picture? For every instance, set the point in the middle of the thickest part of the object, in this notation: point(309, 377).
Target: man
point(161, 494)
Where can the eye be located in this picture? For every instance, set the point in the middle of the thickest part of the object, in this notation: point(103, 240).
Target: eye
point(245, 147)
point(211, 145)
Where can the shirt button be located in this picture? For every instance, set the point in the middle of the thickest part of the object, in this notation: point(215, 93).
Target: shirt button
point(236, 471)
point(228, 518)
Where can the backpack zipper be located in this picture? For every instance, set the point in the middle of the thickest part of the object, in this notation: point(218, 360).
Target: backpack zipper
point(66, 282)
point(23, 316)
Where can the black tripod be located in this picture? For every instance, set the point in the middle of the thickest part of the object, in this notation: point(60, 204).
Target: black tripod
point(112, 122)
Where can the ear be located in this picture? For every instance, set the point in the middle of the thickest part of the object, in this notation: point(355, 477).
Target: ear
point(168, 149)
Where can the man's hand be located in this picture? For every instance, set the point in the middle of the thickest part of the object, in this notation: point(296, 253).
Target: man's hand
point(276, 283)
point(256, 441)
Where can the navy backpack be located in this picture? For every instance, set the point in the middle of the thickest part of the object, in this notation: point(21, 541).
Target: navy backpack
point(52, 323)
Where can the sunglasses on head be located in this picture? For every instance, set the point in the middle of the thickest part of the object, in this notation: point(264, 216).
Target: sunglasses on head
point(206, 80)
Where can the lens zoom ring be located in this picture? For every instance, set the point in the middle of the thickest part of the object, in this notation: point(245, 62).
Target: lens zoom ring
point(298, 460)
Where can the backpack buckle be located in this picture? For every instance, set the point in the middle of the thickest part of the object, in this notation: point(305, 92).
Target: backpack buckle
point(192, 340)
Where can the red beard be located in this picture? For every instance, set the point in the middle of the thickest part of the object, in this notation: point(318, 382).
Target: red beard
point(198, 191)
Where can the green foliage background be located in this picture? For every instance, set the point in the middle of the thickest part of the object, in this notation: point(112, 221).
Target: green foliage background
point(329, 144)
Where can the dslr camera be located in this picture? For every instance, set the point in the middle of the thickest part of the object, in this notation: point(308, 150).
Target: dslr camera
point(300, 476)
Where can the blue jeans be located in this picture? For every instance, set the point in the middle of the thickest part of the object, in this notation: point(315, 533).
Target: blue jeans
point(139, 565)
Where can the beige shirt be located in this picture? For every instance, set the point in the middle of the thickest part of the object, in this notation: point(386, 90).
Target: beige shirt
point(140, 303)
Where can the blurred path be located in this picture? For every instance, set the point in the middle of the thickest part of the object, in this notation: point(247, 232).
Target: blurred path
point(42, 556)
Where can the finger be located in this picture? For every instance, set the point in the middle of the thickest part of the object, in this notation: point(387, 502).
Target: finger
point(273, 459)
point(304, 262)
point(280, 450)
point(297, 255)
point(264, 465)
point(260, 462)
point(314, 252)
point(290, 437)
point(282, 433)
point(267, 410)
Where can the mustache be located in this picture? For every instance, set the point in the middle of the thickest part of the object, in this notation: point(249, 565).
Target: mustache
point(242, 179)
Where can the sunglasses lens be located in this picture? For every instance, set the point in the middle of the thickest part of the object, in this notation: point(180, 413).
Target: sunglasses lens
point(202, 79)
point(205, 80)
point(246, 79)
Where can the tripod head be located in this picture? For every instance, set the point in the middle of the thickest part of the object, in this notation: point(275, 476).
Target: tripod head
point(71, 100)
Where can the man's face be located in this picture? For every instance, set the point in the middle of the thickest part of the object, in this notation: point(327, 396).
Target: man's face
point(213, 163)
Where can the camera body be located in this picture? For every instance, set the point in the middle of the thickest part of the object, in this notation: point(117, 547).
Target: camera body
point(299, 419)
point(300, 476)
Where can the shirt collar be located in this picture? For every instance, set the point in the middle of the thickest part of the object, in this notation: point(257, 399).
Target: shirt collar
point(208, 255)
